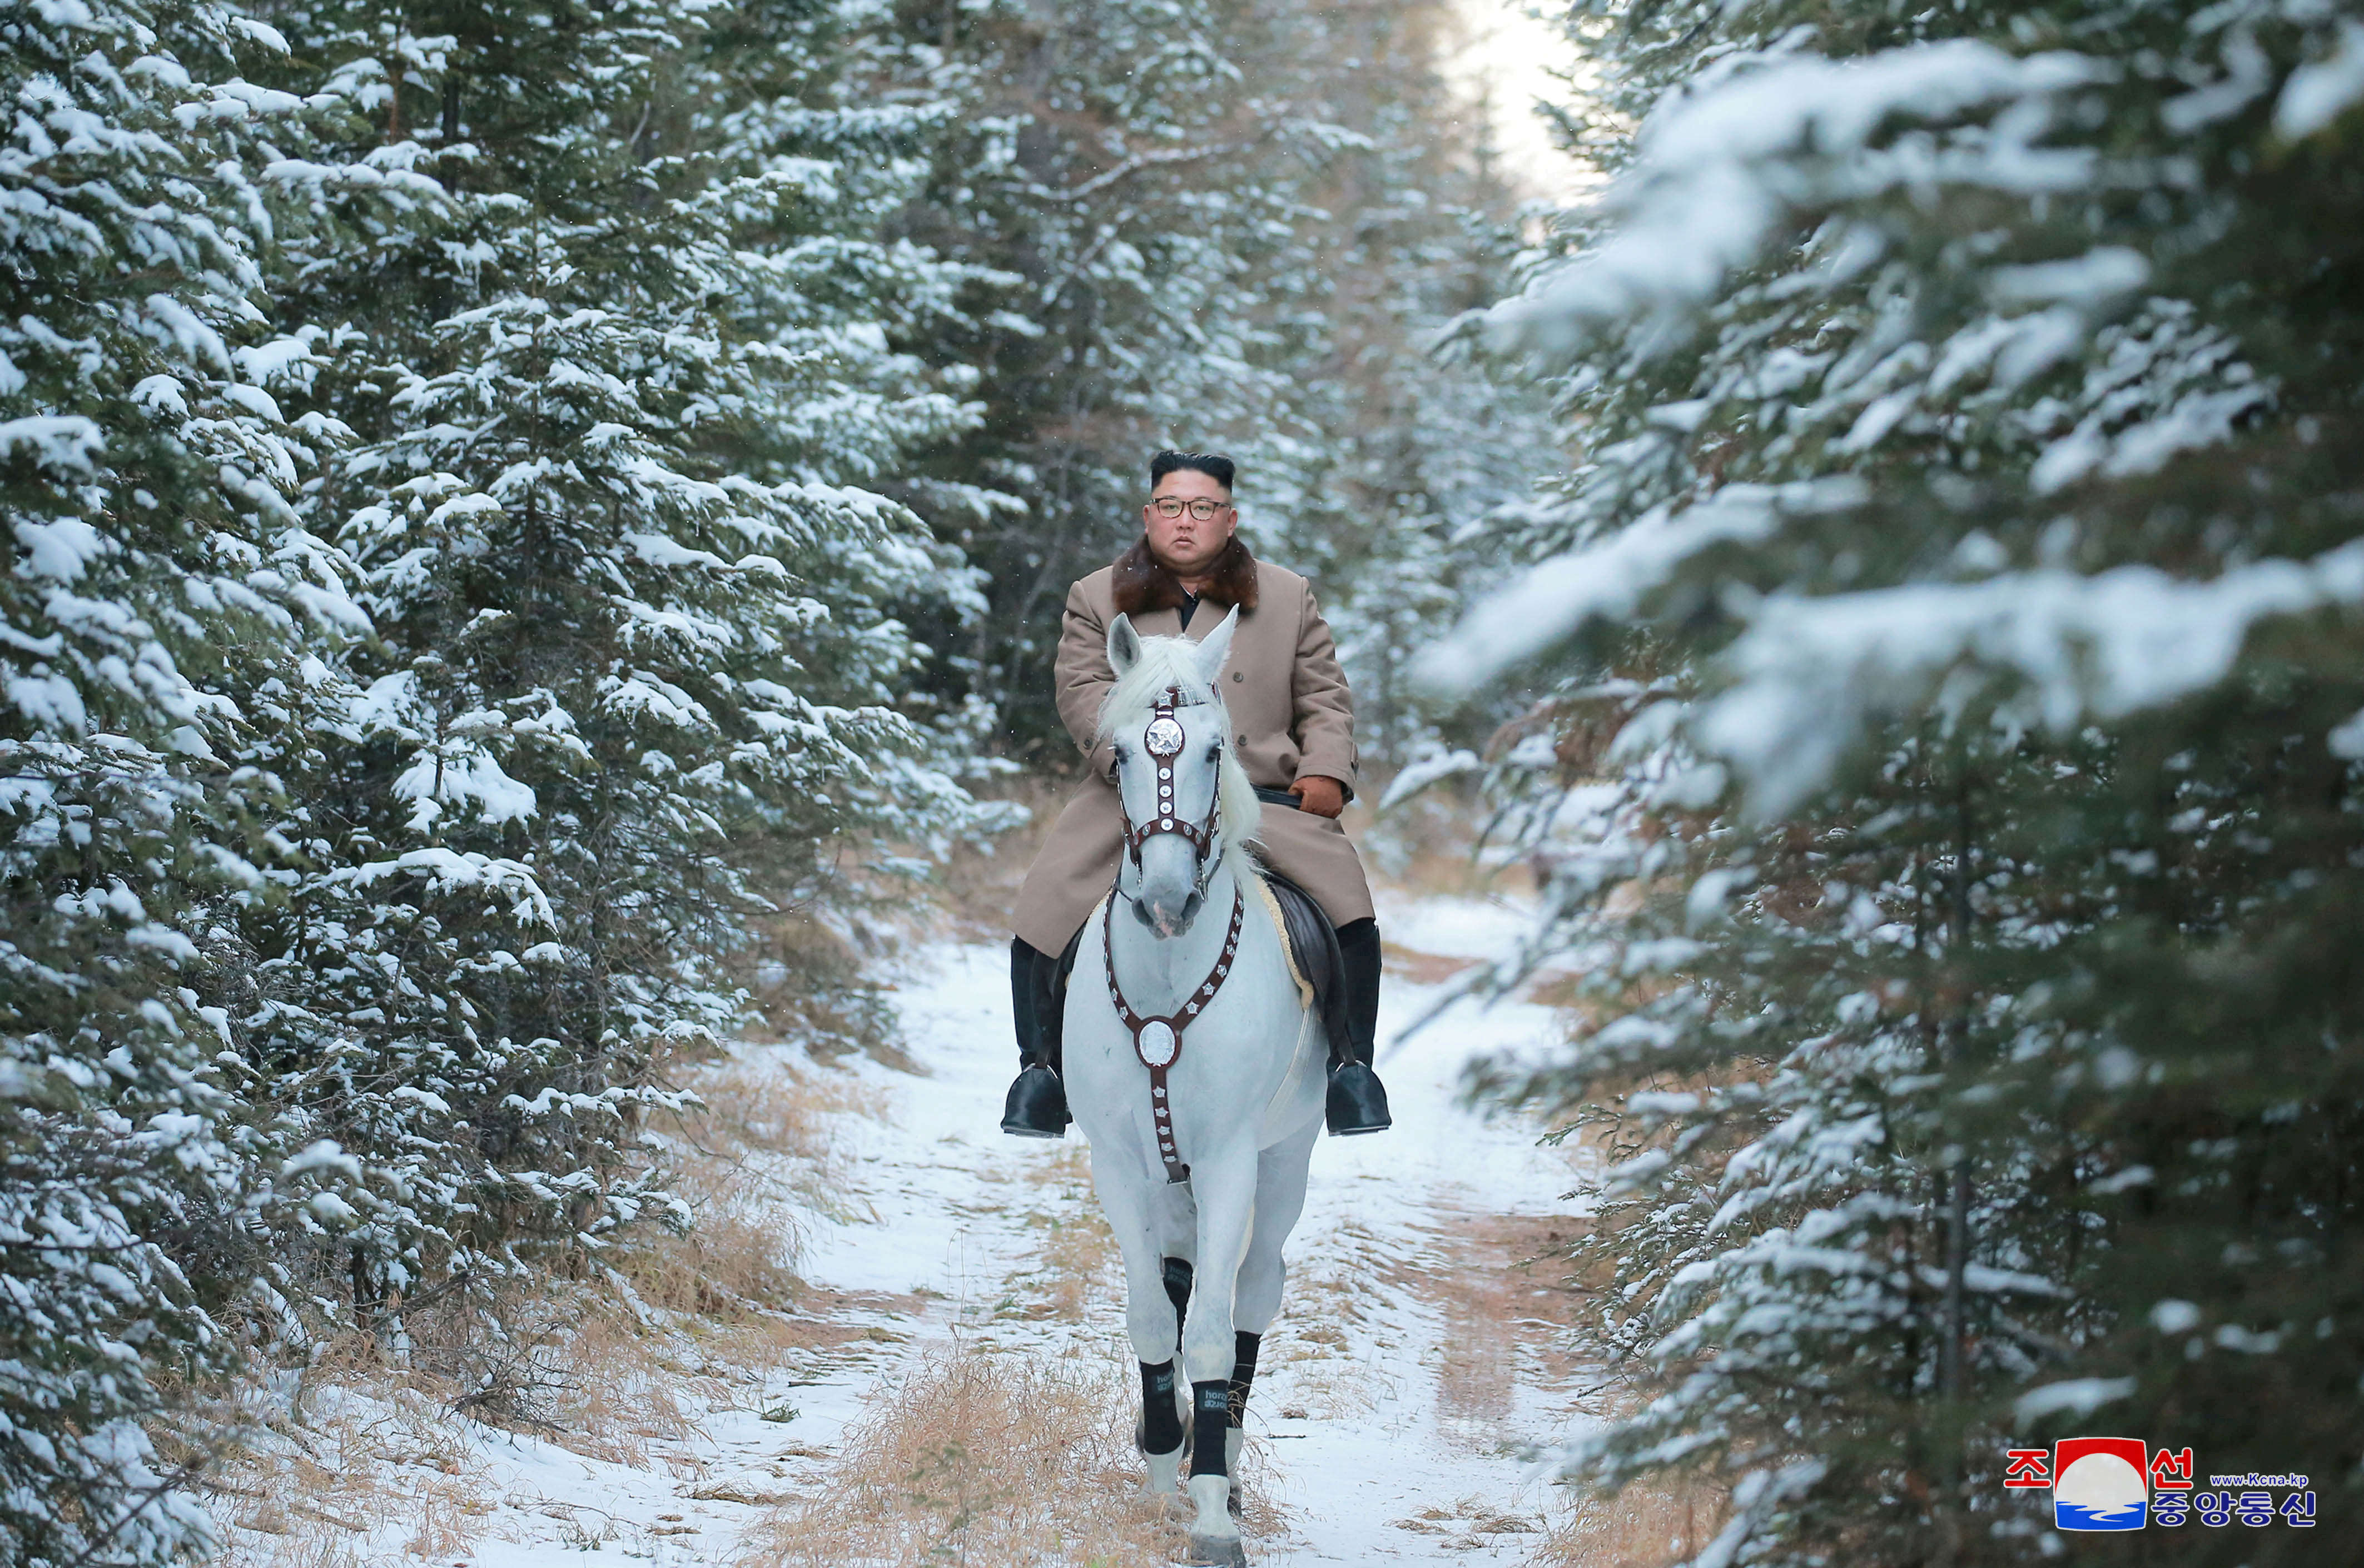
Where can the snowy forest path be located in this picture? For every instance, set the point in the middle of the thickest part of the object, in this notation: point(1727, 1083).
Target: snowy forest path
point(1412, 1359)
point(955, 1372)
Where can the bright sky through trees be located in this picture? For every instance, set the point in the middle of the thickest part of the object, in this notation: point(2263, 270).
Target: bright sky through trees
point(1506, 58)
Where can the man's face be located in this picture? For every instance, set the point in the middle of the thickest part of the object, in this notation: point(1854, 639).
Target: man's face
point(1187, 545)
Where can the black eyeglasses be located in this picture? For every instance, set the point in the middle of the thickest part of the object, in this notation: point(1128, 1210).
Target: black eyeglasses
point(1172, 506)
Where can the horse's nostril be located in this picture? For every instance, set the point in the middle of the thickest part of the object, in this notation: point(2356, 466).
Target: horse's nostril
point(1168, 920)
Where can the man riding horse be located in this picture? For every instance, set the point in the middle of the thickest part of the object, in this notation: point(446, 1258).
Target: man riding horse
point(1295, 733)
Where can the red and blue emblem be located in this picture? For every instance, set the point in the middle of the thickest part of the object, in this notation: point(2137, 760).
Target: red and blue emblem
point(2101, 1484)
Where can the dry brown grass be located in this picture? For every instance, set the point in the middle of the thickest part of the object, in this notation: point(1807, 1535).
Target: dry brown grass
point(773, 1108)
point(762, 1146)
point(1642, 1527)
point(985, 1460)
point(611, 1364)
point(1472, 1524)
point(1422, 846)
point(977, 888)
point(1079, 1268)
point(1506, 1306)
point(698, 1316)
point(1315, 1335)
point(1423, 968)
point(616, 1389)
point(355, 1474)
point(1645, 1525)
point(1428, 846)
point(809, 979)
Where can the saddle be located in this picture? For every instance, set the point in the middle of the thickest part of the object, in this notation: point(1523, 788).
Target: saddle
point(1312, 944)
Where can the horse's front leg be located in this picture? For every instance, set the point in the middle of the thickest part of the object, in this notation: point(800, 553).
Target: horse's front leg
point(1225, 1188)
point(1279, 1200)
point(1134, 1215)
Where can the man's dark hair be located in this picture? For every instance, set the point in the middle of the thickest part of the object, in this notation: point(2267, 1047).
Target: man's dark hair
point(1213, 465)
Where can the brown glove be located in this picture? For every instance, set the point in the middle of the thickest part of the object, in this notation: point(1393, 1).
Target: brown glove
point(1320, 795)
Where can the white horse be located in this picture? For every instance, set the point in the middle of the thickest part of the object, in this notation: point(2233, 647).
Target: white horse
point(1194, 1064)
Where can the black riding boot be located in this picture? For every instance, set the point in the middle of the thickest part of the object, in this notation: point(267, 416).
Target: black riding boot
point(1037, 1106)
point(1357, 1101)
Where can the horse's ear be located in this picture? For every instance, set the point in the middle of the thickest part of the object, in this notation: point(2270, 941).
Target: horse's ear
point(1217, 648)
point(1124, 645)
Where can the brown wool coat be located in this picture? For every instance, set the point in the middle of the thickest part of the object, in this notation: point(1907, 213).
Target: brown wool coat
point(1290, 706)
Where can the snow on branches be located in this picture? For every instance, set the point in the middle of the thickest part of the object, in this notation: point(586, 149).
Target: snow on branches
point(450, 611)
point(1945, 777)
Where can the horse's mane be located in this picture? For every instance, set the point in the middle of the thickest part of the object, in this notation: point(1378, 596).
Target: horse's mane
point(1172, 661)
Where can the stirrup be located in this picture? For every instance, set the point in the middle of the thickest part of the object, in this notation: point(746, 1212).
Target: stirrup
point(1037, 1106)
point(1357, 1101)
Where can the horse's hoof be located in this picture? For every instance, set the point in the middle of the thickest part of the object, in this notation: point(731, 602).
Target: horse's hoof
point(1225, 1549)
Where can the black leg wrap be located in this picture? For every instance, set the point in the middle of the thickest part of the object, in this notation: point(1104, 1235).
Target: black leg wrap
point(1178, 1291)
point(1210, 1420)
point(1160, 1425)
point(1243, 1360)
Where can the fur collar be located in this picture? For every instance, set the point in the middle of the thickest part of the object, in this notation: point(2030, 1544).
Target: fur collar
point(1142, 584)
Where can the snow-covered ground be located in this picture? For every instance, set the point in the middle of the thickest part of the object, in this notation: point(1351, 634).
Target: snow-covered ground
point(1413, 1364)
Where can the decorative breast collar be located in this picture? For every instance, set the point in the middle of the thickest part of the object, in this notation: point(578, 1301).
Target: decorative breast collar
point(1158, 1042)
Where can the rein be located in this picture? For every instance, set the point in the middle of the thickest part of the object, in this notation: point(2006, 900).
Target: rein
point(1158, 1042)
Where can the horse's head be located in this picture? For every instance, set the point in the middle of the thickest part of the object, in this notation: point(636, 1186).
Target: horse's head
point(1187, 801)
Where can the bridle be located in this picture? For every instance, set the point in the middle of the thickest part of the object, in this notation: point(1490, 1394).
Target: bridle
point(1164, 741)
point(1158, 1042)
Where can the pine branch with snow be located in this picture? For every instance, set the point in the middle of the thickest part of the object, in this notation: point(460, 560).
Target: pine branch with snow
point(1955, 642)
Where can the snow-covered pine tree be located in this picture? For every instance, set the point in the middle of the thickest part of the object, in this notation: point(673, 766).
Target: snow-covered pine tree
point(1398, 437)
point(143, 470)
point(1216, 223)
point(638, 658)
point(1955, 622)
point(1097, 170)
